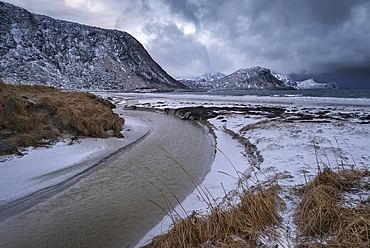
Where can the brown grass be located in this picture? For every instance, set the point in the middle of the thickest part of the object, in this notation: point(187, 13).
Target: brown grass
point(35, 115)
point(324, 219)
point(248, 223)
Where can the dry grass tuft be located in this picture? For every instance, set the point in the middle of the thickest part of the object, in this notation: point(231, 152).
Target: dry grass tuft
point(248, 223)
point(36, 115)
point(259, 125)
point(323, 216)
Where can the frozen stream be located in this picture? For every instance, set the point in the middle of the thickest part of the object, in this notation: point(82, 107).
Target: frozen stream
point(110, 207)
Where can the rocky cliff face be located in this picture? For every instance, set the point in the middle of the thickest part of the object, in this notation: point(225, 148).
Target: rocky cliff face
point(36, 49)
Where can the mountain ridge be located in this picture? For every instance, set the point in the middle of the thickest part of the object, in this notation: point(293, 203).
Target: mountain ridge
point(254, 78)
point(37, 49)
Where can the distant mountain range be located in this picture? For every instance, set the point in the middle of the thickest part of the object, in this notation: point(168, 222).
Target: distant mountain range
point(254, 78)
point(201, 82)
point(36, 49)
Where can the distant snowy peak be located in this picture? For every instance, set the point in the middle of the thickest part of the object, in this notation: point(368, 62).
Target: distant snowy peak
point(209, 77)
point(309, 84)
point(36, 49)
point(288, 81)
point(201, 82)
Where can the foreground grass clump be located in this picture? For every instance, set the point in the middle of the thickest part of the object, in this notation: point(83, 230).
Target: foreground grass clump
point(248, 223)
point(325, 218)
point(37, 115)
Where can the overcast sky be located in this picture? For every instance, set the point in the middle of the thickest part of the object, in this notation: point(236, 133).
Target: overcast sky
point(324, 39)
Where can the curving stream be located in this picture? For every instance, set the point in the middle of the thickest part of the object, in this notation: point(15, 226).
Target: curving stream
point(110, 207)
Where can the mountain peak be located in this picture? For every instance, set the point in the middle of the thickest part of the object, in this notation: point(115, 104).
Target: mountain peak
point(253, 78)
point(37, 49)
point(209, 77)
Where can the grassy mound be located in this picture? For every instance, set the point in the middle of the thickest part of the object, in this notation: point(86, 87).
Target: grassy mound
point(324, 217)
point(248, 223)
point(37, 115)
point(327, 213)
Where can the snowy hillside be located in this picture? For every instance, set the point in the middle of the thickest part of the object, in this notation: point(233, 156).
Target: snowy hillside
point(36, 49)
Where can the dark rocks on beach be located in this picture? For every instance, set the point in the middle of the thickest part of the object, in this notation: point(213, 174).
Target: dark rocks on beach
point(201, 113)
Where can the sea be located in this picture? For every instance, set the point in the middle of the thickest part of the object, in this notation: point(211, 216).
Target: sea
point(348, 98)
point(358, 94)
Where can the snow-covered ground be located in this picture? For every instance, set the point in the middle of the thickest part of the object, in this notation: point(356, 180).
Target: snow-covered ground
point(44, 169)
point(286, 144)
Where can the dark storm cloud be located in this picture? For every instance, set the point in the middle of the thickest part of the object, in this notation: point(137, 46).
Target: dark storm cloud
point(352, 76)
point(331, 12)
point(301, 37)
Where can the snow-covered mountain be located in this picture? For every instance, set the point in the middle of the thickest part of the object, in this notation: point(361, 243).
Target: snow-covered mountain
point(36, 49)
point(254, 78)
point(201, 82)
point(209, 77)
point(309, 84)
point(288, 81)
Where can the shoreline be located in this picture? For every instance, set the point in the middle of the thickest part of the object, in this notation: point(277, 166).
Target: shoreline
point(110, 206)
point(274, 130)
point(85, 156)
point(335, 129)
point(176, 99)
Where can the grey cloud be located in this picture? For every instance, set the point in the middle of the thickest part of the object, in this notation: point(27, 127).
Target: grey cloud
point(331, 12)
point(183, 55)
point(187, 9)
point(57, 9)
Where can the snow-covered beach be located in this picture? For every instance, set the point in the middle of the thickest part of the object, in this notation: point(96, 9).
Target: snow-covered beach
point(287, 138)
point(279, 133)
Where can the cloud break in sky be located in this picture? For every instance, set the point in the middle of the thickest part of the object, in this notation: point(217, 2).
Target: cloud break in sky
point(327, 40)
